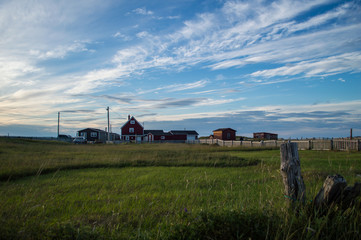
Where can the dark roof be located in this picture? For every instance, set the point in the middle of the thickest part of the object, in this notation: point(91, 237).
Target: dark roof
point(183, 132)
point(157, 132)
point(265, 133)
point(222, 129)
point(92, 129)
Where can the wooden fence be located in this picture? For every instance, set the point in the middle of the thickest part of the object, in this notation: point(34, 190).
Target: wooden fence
point(342, 145)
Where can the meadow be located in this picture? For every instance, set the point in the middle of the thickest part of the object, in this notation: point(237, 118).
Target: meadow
point(54, 190)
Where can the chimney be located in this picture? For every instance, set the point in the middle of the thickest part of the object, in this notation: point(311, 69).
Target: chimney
point(351, 134)
point(128, 117)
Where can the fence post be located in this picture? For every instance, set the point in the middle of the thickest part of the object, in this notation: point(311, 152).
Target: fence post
point(331, 144)
point(295, 189)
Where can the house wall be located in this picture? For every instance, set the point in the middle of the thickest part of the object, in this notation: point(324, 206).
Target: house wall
point(226, 134)
point(136, 134)
point(192, 137)
point(93, 136)
point(138, 129)
point(217, 134)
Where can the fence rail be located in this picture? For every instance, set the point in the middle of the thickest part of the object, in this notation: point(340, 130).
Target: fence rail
point(342, 145)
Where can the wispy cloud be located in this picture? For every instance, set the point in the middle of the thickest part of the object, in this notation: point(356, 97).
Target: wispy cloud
point(348, 62)
point(177, 87)
point(61, 51)
point(143, 11)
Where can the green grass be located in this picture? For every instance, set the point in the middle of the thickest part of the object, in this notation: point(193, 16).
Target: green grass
point(166, 191)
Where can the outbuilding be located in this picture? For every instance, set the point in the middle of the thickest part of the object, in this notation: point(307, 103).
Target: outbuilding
point(265, 136)
point(224, 134)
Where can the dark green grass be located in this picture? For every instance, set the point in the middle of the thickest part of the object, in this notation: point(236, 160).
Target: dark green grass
point(170, 191)
point(20, 158)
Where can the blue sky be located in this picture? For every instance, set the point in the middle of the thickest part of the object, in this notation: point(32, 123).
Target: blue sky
point(287, 67)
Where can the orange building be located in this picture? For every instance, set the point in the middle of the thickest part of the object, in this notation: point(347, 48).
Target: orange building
point(224, 134)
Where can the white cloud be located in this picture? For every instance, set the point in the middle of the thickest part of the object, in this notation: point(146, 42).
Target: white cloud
point(347, 62)
point(177, 87)
point(122, 36)
point(60, 51)
point(143, 11)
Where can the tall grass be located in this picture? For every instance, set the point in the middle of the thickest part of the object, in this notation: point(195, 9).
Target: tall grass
point(170, 191)
point(19, 158)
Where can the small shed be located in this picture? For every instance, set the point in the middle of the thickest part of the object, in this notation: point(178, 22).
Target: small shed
point(224, 134)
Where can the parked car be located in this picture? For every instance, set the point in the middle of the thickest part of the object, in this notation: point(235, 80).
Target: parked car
point(79, 140)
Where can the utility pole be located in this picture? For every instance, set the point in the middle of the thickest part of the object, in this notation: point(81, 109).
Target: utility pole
point(58, 122)
point(108, 124)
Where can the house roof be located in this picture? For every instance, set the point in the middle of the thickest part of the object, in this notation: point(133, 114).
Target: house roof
point(265, 133)
point(183, 132)
point(223, 129)
point(92, 129)
point(132, 118)
point(154, 132)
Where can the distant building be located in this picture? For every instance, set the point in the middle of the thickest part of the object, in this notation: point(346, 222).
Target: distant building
point(265, 135)
point(191, 134)
point(224, 134)
point(132, 130)
point(97, 135)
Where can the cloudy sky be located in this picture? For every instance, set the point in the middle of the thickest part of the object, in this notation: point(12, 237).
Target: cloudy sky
point(288, 67)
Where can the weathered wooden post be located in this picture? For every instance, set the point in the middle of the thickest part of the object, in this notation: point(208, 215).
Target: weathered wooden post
point(295, 189)
point(336, 191)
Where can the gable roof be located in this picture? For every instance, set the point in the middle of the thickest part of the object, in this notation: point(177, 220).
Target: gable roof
point(183, 132)
point(92, 129)
point(223, 129)
point(130, 119)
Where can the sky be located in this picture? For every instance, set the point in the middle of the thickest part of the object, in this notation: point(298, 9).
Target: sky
point(286, 67)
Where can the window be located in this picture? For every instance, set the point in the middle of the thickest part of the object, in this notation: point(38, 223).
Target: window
point(162, 137)
point(228, 135)
point(132, 122)
point(93, 134)
point(127, 138)
point(131, 130)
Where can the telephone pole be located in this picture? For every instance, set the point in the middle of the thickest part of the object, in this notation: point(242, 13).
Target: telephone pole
point(108, 124)
point(58, 122)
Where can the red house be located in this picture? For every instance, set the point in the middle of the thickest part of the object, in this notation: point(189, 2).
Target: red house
point(132, 130)
point(224, 134)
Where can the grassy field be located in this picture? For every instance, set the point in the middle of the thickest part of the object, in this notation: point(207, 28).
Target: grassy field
point(51, 190)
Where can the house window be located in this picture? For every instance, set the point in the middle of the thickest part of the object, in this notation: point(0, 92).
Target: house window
point(162, 137)
point(127, 138)
point(131, 130)
point(93, 134)
point(132, 122)
point(228, 135)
